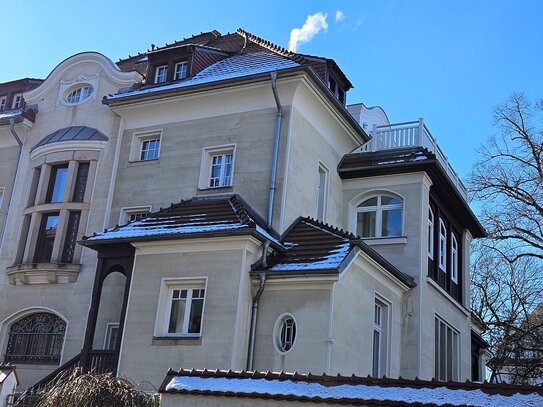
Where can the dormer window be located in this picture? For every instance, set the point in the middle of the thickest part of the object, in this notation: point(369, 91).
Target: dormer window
point(161, 74)
point(181, 70)
point(3, 101)
point(17, 101)
point(79, 94)
point(336, 89)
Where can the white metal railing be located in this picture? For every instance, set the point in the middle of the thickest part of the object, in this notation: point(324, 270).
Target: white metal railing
point(411, 134)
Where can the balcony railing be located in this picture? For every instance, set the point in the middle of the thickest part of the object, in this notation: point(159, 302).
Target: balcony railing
point(412, 134)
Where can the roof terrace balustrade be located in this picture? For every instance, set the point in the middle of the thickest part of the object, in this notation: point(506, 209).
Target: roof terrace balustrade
point(411, 134)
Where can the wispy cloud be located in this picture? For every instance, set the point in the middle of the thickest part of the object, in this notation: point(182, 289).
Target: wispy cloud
point(340, 16)
point(312, 26)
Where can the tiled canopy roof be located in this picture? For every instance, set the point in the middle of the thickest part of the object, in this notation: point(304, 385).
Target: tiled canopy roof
point(73, 133)
point(197, 217)
point(347, 390)
point(316, 247)
point(398, 156)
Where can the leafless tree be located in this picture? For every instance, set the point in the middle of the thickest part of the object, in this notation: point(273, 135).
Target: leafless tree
point(507, 280)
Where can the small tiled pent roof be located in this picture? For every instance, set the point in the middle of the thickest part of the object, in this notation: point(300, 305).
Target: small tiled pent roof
point(73, 133)
point(315, 247)
point(347, 390)
point(198, 217)
point(392, 157)
point(237, 66)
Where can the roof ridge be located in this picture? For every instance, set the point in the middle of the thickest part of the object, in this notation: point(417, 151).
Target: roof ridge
point(329, 228)
point(271, 46)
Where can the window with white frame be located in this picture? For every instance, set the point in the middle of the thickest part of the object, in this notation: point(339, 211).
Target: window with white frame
point(112, 333)
point(181, 71)
point(321, 192)
point(442, 245)
point(379, 216)
point(161, 74)
point(380, 338)
point(79, 94)
point(431, 221)
point(181, 308)
point(3, 101)
point(17, 101)
point(146, 146)
point(133, 213)
point(285, 333)
point(454, 258)
point(446, 351)
point(217, 168)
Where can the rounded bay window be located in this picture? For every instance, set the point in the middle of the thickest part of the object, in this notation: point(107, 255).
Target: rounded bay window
point(284, 336)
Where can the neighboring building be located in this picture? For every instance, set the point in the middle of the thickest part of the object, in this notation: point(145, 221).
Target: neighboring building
point(297, 240)
point(8, 383)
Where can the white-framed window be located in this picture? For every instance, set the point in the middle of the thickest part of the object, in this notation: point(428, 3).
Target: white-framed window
point(79, 94)
point(442, 245)
point(132, 213)
point(454, 258)
point(181, 71)
point(112, 333)
point(161, 74)
point(284, 333)
point(447, 351)
point(3, 101)
point(217, 169)
point(17, 101)
point(181, 307)
point(2, 189)
point(321, 195)
point(380, 216)
point(146, 146)
point(380, 337)
point(431, 220)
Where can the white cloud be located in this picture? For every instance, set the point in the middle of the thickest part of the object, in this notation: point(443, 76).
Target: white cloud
point(312, 26)
point(340, 16)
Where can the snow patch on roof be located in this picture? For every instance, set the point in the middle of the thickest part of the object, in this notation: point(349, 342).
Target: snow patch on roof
point(438, 395)
point(237, 66)
point(332, 261)
point(10, 113)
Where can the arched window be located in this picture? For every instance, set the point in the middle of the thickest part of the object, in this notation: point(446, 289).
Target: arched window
point(36, 339)
point(431, 233)
point(379, 216)
point(79, 94)
point(454, 258)
point(285, 333)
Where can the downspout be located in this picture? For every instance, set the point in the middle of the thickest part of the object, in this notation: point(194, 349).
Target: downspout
point(263, 260)
point(18, 140)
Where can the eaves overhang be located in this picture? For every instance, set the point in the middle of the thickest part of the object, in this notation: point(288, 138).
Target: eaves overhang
point(226, 83)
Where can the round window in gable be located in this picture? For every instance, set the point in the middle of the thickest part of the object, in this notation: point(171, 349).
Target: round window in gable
point(79, 94)
point(285, 333)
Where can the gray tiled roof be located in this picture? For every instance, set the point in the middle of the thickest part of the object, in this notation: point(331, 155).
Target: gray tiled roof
point(72, 133)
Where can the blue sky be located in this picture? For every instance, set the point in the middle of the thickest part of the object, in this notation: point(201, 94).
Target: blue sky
point(450, 62)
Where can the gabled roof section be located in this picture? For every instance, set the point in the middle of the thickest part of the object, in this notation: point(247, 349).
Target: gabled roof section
point(314, 247)
point(73, 133)
point(347, 390)
point(194, 218)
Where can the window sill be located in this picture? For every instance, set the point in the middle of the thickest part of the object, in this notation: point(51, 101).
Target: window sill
point(135, 163)
point(215, 190)
point(378, 241)
point(43, 273)
point(177, 340)
point(453, 301)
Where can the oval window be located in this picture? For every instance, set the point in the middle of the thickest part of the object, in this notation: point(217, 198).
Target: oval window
point(285, 333)
point(79, 94)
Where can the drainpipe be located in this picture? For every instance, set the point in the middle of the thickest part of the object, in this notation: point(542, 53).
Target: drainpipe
point(18, 140)
point(263, 260)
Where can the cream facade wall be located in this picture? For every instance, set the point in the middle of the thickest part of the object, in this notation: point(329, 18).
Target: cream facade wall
point(223, 264)
point(70, 301)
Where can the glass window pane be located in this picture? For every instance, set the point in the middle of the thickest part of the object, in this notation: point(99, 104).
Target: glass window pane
point(392, 223)
point(46, 238)
point(57, 183)
point(442, 352)
point(366, 224)
point(177, 316)
point(195, 321)
point(376, 351)
point(369, 202)
point(388, 200)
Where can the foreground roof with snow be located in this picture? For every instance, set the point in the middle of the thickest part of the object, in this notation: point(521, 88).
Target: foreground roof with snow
point(347, 390)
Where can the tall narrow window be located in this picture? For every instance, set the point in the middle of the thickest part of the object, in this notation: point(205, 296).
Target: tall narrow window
point(112, 333)
point(431, 233)
point(1, 196)
point(3, 101)
point(380, 332)
point(380, 216)
point(446, 351)
point(71, 237)
point(57, 183)
point(321, 193)
point(180, 71)
point(46, 237)
point(17, 101)
point(81, 182)
point(161, 74)
point(221, 170)
point(36, 339)
point(454, 258)
point(442, 245)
